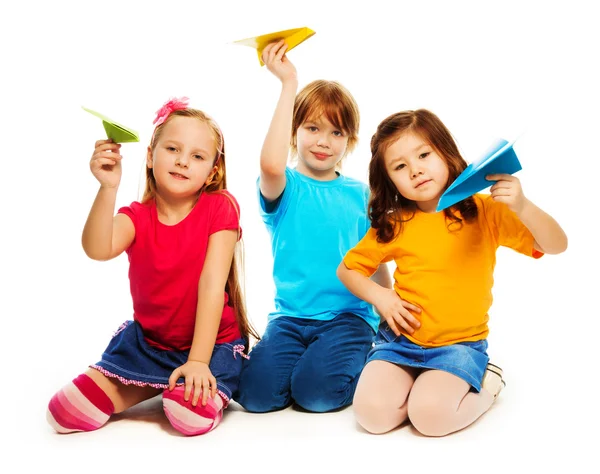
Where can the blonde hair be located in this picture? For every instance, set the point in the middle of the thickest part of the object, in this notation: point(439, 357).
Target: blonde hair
point(219, 180)
point(217, 184)
point(329, 99)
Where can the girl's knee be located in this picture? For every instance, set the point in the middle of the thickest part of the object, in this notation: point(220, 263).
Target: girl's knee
point(80, 405)
point(188, 419)
point(430, 417)
point(375, 414)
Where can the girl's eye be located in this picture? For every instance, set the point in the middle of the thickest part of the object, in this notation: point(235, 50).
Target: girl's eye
point(171, 148)
point(337, 133)
point(313, 129)
point(424, 155)
point(400, 166)
point(198, 157)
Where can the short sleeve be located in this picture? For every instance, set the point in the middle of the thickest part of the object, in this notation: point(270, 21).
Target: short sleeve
point(131, 211)
point(138, 213)
point(225, 213)
point(508, 228)
point(272, 211)
point(366, 256)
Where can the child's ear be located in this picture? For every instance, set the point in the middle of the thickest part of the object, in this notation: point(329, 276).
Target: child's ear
point(211, 175)
point(149, 158)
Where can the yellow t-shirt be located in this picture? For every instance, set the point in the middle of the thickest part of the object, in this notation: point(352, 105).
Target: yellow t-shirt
point(448, 274)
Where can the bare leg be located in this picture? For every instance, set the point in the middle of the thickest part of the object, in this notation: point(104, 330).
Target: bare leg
point(441, 403)
point(123, 396)
point(380, 398)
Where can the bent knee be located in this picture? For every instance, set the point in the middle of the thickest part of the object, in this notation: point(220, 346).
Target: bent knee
point(376, 415)
point(261, 392)
point(262, 402)
point(80, 405)
point(258, 397)
point(319, 403)
point(323, 397)
point(188, 419)
point(430, 417)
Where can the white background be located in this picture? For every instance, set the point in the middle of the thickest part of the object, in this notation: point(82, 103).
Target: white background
point(487, 69)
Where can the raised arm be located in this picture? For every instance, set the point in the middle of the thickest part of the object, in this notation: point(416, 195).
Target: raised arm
point(275, 150)
point(104, 236)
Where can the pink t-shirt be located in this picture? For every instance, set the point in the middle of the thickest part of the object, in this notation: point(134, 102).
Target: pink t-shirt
point(165, 263)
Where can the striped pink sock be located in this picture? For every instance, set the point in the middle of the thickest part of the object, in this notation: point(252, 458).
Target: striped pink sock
point(79, 406)
point(188, 419)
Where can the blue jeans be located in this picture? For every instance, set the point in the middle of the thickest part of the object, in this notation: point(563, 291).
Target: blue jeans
point(314, 363)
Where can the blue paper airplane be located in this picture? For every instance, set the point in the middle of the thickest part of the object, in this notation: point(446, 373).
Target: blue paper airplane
point(500, 158)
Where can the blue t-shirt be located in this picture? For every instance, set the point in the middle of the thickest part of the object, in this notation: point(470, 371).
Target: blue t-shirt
point(312, 226)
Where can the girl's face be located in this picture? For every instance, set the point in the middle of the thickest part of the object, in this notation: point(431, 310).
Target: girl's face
point(417, 171)
point(183, 157)
point(320, 147)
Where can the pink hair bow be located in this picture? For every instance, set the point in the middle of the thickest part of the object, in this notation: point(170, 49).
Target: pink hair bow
point(170, 106)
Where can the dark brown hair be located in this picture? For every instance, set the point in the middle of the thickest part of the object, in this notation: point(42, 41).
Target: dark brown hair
point(388, 209)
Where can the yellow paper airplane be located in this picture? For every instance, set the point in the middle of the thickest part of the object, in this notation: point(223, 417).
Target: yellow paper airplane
point(292, 38)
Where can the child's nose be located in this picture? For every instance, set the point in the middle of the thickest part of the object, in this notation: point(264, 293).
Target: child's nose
point(416, 171)
point(322, 141)
point(181, 160)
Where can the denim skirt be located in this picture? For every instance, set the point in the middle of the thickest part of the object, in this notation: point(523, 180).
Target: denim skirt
point(466, 360)
point(131, 360)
